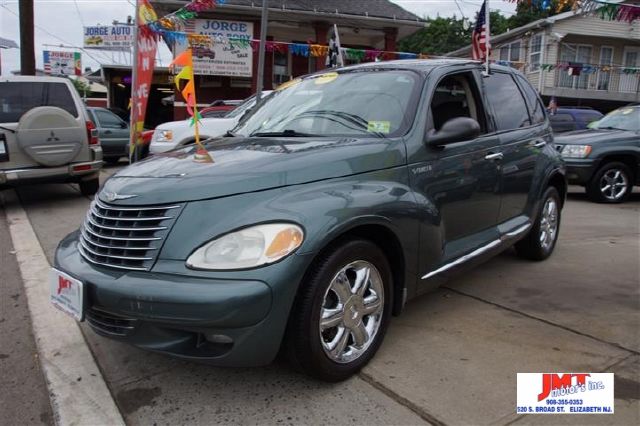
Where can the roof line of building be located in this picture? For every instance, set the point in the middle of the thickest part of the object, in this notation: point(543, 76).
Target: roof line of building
point(419, 22)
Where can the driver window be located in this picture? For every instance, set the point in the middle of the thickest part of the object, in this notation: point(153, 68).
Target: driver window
point(456, 96)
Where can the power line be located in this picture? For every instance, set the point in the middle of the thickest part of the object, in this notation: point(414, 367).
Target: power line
point(56, 37)
point(75, 2)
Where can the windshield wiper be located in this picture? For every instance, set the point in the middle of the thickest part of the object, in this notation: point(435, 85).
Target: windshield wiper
point(350, 118)
point(610, 128)
point(287, 133)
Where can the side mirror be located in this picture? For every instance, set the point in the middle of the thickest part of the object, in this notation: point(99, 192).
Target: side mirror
point(457, 129)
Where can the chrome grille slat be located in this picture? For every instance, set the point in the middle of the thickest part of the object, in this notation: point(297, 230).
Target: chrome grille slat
point(117, 228)
point(129, 219)
point(125, 237)
point(89, 239)
point(133, 209)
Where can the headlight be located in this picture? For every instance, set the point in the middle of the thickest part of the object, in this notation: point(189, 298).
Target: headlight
point(248, 248)
point(576, 151)
point(164, 136)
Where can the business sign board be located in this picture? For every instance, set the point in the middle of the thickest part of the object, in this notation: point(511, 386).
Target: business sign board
point(108, 37)
point(222, 58)
point(62, 63)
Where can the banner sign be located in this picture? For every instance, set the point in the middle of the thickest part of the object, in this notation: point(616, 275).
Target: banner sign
point(231, 60)
point(62, 63)
point(147, 45)
point(108, 37)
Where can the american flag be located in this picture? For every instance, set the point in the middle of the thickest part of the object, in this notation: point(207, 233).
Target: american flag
point(479, 39)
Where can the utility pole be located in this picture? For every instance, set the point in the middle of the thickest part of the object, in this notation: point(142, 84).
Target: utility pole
point(263, 41)
point(27, 50)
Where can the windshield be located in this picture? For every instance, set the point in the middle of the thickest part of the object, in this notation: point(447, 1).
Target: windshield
point(376, 103)
point(627, 118)
point(242, 108)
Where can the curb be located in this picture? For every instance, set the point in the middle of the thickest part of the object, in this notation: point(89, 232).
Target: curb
point(79, 395)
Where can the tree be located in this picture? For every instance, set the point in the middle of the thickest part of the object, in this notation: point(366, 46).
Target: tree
point(82, 88)
point(443, 35)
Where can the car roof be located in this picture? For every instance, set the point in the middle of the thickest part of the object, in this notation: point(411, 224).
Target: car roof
point(423, 65)
point(33, 78)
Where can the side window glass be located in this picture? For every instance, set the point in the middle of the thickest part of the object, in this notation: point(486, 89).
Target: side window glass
point(536, 109)
point(456, 96)
point(108, 120)
point(506, 99)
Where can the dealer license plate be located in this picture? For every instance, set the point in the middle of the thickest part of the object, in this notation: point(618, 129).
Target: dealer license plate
point(67, 294)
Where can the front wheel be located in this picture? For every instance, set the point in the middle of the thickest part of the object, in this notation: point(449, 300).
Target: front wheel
point(542, 238)
point(341, 312)
point(612, 183)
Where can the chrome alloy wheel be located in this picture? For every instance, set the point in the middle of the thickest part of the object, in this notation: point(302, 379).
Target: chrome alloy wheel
point(351, 311)
point(614, 184)
point(549, 224)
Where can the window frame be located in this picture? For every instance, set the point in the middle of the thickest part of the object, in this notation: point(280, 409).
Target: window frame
point(600, 64)
point(535, 67)
point(521, 81)
point(510, 49)
point(98, 112)
point(273, 67)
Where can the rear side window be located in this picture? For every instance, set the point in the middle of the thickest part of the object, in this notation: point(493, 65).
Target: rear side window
point(536, 109)
point(506, 99)
point(589, 116)
point(107, 119)
point(17, 97)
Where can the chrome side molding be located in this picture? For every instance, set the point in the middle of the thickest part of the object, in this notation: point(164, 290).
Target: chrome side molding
point(477, 252)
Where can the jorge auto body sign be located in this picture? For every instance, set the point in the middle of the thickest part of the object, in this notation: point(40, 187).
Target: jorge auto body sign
point(108, 37)
point(221, 59)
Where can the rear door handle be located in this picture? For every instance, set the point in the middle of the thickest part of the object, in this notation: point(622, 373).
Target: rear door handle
point(539, 144)
point(494, 156)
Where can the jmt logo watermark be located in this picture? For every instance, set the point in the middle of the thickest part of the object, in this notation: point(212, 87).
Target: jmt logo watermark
point(555, 382)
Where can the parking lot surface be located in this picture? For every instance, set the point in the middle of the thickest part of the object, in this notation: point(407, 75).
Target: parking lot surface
point(450, 358)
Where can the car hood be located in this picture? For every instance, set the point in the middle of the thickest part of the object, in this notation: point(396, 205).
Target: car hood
point(591, 136)
point(204, 123)
point(246, 165)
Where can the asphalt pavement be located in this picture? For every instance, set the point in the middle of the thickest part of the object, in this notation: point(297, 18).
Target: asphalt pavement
point(450, 358)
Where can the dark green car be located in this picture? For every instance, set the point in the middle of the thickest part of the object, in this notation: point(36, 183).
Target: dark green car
point(605, 158)
point(342, 196)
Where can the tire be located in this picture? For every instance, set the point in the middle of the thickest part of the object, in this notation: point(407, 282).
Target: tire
point(612, 183)
point(542, 238)
point(322, 291)
point(89, 187)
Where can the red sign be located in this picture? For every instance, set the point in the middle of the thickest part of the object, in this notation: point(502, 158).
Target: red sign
point(147, 45)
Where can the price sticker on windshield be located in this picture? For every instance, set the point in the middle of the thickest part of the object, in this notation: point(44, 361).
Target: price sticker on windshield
point(379, 126)
point(326, 78)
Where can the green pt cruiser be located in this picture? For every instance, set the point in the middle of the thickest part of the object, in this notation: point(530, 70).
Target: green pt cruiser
point(343, 195)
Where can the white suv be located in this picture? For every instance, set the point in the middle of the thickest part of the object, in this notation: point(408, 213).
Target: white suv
point(171, 135)
point(46, 134)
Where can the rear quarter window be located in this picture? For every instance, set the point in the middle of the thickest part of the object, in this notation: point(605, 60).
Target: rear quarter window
point(536, 108)
point(18, 97)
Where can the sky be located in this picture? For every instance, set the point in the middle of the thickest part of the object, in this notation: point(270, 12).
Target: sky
point(61, 22)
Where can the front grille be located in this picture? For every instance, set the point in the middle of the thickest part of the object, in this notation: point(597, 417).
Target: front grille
point(110, 324)
point(125, 237)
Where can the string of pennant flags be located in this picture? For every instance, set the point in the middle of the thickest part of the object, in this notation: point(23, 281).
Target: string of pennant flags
point(575, 68)
point(603, 9)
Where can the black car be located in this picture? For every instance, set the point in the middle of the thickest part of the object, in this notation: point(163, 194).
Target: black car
point(340, 197)
point(606, 158)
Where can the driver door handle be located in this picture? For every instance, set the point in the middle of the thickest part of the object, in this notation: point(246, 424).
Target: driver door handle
point(494, 156)
point(538, 144)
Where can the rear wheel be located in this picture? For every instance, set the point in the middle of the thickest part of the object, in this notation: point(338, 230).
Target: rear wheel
point(541, 240)
point(89, 187)
point(612, 183)
point(342, 311)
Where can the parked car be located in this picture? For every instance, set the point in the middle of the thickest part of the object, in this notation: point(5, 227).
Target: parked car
point(170, 135)
point(340, 197)
point(46, 134)
point(216, 111)
point(113, 132)
point(573, 118)
point(606, 158)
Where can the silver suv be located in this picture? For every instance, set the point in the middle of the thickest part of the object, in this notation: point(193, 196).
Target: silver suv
point(46, 134)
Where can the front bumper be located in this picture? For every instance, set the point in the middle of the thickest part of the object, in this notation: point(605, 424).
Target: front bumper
point(580, 171)
point(222, 321)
